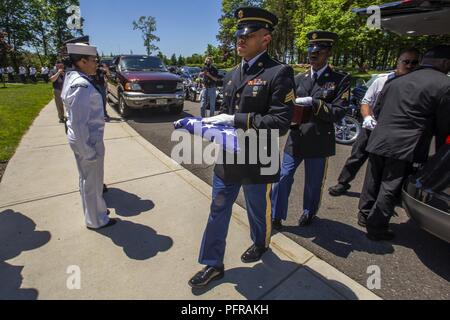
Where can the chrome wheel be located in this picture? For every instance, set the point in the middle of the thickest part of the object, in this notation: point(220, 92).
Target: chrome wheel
point(347, 130)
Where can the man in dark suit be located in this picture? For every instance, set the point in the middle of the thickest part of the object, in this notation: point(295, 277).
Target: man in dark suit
point(407, 109)
point(258, 98)
point(323, 95)
point(407, 61)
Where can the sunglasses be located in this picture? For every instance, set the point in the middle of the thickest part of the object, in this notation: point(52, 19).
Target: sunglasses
point(412, 62)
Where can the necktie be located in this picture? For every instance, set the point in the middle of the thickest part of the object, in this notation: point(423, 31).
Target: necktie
point(245, 68)
point(315, 76)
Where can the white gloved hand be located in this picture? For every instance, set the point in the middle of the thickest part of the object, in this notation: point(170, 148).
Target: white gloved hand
point(223, 119)
point(304, 102)
point(369, 123)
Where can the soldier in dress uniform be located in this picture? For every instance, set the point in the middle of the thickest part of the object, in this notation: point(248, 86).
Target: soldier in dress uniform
point(258, 94)
point(322, 96)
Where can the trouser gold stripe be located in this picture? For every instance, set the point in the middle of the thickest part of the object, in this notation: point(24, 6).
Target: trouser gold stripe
point(268, 215)
point(325, 170)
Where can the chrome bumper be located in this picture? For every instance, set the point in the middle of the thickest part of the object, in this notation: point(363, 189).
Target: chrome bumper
point(138, 100)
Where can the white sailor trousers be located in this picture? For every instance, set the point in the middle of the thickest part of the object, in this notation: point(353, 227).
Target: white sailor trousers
point(91, 173)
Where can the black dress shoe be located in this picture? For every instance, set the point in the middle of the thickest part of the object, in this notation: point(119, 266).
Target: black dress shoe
point(253, 254)
point(105, 188)
point(306, 219)
point(380, 234)
point(277, 225)
point(362, 220)
point(109, 224)
point(339, 189)
point(204, 277)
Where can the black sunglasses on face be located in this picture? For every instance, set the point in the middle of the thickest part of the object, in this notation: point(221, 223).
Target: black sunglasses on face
point(412, 62)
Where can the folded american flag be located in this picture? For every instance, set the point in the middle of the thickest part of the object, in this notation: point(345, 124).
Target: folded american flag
point(225, 136)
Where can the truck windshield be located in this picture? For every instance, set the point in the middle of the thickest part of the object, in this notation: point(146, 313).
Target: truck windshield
point(143, 63)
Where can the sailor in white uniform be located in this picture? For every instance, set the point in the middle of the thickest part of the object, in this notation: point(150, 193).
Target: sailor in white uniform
point(84, 107)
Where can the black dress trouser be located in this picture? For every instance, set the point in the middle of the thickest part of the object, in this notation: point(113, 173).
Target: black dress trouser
point(382, 187)
point(357, 158)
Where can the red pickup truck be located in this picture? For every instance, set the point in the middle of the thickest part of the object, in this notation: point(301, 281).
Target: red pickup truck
point(140, 82)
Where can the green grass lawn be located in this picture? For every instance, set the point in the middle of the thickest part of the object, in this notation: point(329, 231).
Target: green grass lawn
point(19, 106)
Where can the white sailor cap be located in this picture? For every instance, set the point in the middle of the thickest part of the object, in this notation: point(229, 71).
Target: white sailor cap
point(81, 49)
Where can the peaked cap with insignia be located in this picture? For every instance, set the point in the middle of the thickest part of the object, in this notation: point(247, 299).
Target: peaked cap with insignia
point(251, 19)
point(319, 40)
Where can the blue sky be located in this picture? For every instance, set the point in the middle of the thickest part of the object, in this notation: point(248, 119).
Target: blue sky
point(185, 27)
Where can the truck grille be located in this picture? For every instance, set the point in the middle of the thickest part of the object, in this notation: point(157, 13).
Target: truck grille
point(155, 87)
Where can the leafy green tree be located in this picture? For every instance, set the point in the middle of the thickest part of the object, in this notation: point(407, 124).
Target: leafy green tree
point(173, 60)
point(147, 25)
point(180, 61)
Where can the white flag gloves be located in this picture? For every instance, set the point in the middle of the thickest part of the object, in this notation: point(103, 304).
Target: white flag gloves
point(304, 102)
point(223, 119)
point(369, 123)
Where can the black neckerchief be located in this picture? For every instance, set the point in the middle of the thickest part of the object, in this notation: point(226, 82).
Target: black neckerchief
point(93, 84)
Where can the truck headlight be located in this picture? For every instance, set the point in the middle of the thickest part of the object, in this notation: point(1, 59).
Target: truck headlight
point(132, 86)
point(180, 86)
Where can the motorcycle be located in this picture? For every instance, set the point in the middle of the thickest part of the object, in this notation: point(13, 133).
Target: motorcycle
point(349, 128)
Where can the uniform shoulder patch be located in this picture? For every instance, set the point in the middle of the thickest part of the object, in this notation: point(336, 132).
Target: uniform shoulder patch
point(290, 97)
point(79, 85)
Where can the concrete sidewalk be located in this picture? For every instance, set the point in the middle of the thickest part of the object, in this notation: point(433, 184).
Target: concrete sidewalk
point(152, 252)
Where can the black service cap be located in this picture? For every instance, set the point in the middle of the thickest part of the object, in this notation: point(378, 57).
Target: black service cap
point(251, 19)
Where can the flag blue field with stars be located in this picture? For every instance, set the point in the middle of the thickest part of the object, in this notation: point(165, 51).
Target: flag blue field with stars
point(226, 136)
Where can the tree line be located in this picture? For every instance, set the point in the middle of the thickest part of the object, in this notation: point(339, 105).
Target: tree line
point(33, 30)
point(358, 46)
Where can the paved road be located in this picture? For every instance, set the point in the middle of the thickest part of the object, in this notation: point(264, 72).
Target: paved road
point(415, 266)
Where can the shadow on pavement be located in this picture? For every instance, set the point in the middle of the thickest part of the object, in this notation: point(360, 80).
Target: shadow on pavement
point(352, 194)
point(437, 259)
point(339, 238)
point(115, 120)
point(17, 234)
point(127, 204)
point(139, 242)
point(305, 285)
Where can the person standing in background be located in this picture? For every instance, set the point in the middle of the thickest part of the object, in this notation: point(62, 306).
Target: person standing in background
point(23, 74)
point(33, 72)
point(10, 72)
point(44, 72)
point(408, 109)
point(407, 61)
point(208, 96)
point(57, 79)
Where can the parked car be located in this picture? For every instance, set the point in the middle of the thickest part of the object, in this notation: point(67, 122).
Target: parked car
point(192, 71)
point(140, 82)
point(414, 17)
point(107, 61)
point(426, 194)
